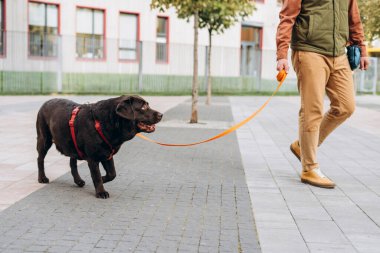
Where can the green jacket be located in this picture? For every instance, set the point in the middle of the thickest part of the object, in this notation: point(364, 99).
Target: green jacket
point(322, 27)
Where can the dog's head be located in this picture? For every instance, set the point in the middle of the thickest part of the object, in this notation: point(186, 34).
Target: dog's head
point(136, 109)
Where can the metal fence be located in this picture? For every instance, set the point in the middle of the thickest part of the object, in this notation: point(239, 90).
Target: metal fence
point(368, 81)
point(42, 63)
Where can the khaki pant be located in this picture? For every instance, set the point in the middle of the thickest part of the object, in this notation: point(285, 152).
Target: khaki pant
point(318, 74)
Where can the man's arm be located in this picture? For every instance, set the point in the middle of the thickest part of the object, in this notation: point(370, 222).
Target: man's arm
point(288, 14)
point(357, 33)
point(356, 28)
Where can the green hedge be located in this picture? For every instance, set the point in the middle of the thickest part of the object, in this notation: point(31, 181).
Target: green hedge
point(12, 82)
point(96, 83)
point(99, 83)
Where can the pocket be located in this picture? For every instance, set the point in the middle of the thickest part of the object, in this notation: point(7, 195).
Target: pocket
point(311, 28)
point(344, 27)
point(296, 60)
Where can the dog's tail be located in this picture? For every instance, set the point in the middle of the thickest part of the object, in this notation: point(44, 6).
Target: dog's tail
point(44, 137)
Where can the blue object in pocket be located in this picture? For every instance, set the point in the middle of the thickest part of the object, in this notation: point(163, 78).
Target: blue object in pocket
point(353, 55)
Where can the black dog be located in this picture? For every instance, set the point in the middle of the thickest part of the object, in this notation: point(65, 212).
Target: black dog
point(91, 132)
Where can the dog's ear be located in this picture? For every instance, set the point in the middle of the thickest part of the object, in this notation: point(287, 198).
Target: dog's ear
point(125, 108)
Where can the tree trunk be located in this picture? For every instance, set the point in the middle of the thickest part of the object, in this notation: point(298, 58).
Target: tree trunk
point(208, 100)
point(194, 97)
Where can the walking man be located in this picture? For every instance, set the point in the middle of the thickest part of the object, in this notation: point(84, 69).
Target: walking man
point(318, 32)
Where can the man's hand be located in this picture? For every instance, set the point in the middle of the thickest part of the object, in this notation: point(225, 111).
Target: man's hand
point(283, 64)
point(364, 63)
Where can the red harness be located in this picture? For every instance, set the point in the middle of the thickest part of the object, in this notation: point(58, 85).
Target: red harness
point(98, 128)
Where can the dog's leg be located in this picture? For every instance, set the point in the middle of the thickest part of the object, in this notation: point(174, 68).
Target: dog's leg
point(109, 167)
point(44, 142)
point(74, 171)
point(97, 180)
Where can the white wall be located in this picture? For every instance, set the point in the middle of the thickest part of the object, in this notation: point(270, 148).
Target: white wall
point(181, 32)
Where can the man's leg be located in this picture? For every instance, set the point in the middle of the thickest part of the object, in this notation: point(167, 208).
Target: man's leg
point(313, 73)
point(340, 90)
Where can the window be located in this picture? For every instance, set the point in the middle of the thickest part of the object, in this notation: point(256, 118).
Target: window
point(90, 33)
point(162, 49)
point(251, 34)
point(128, 36)
point(251, 38)
point(2, 27)
point(43, 29)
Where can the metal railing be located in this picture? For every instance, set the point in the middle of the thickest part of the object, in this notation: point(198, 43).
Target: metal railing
point(35, 64)
point(368, 81)
point(43, 45)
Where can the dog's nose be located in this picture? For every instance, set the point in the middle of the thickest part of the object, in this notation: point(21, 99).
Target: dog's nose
point(159, 115)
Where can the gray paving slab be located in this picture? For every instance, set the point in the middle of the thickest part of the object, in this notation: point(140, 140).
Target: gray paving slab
point(345, 219)
point(163, 200)
point(331, 248)
point(18, 165)
point(238, 194)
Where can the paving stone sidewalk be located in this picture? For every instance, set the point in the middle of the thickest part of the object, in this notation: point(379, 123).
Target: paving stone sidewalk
point(18, 152)
point(217, 197)
point(294, 217)
point(163, 200)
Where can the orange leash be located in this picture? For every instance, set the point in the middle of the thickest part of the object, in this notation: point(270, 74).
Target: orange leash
point(280, 78)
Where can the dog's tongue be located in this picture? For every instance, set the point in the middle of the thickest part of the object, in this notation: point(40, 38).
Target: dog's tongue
point(151, 128)
point(145, 127)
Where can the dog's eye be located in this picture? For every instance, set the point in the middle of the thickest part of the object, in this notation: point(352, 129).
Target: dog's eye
point(144, 108)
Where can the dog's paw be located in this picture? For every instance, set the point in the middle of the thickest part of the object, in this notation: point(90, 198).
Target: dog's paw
point(80, 182)
point(103, 195)
point(43, 180)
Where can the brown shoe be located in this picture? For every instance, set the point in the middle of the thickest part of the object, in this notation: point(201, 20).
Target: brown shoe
point(296, 149)
point(316, 178)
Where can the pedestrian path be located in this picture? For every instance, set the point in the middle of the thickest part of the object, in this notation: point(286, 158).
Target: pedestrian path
point(18, 154)
point(294, 217)
point(241, 193)
point(163, 200)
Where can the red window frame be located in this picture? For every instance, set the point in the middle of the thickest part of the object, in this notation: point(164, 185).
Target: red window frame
point(4, 21)
point(261, 34)
point(104, 32)
point(167, 39)
point(137, 37)
point(59, 27)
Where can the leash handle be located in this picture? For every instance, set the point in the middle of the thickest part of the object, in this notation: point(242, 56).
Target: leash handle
point(281, 76)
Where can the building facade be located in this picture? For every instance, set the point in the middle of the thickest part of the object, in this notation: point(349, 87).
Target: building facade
point(65, 38)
